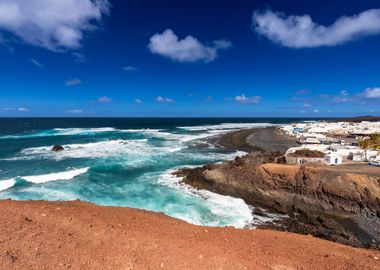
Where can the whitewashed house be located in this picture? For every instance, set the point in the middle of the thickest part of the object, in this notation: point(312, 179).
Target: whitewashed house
point(333, 159)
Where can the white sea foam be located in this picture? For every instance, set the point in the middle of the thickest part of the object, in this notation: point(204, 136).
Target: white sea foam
point(6, 184)
point(94, 150)
point(235, 209)
point(82, 131)
point(140, 130)
point(68, 175)
point(39, 179)
point(61, 132)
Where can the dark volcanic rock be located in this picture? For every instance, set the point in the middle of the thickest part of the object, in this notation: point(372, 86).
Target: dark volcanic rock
point(57, 148)
point(319, 199)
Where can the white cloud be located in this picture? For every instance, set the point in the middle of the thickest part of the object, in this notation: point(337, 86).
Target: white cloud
point(73, 82)
point(22, 109)
point(307, 105)
point(372, 92)
point(130, 68)
point(138, 101)
point(316, 111)
point(51, 24)
point(301, 32)
point(36, 63)
point(160, 99)
point(247, 100)
point(188, 49)
point(75, 111)
point(104, 99)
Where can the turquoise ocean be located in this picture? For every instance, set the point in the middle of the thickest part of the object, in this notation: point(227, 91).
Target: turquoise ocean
point(123, 162)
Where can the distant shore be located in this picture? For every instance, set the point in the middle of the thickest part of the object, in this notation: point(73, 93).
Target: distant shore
point(258, 139)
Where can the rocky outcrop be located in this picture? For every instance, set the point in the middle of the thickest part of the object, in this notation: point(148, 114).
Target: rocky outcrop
point(57, 148)
point(332, 203)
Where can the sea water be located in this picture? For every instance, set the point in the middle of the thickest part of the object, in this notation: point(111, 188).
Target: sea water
point(122, 162)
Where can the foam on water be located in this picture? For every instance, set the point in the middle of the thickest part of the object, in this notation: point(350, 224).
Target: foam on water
point(6, 184)
point(61, 132)
point(134, 171)
point(235, 210)
point(39, 179)
point(68, 175)
point(100, 149)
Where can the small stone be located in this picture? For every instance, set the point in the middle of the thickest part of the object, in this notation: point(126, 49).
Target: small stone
point(162, 265)
point(200, 256)
point(376, 258)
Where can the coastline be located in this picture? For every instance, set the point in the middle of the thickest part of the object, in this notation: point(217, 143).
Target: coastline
point(340, 204)
point(268, 139)
point(79, 235)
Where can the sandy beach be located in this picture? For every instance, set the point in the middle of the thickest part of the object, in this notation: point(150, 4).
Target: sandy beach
point(258, 139)
point(78, 235)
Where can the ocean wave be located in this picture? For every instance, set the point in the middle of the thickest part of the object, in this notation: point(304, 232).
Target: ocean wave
point(6, 184)
point(39, 179)
point(61, 132)
point(235, 210)
point(94, 150)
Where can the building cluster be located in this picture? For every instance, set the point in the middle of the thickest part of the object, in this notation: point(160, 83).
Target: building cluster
point(339, 142)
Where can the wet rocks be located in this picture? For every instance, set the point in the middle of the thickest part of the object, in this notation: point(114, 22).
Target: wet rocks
point(57, 148)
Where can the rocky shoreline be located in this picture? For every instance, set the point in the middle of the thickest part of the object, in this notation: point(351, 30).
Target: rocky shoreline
point(341, 204)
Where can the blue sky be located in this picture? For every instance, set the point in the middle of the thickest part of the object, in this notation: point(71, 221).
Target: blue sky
point(189, 58)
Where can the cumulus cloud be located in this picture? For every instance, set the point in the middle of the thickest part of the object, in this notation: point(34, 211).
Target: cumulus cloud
point(188, 49)
point(104, 99)
point(75, 111)
point(51, 24)
point(242, 99)
point(73, 82)
point(161, 99)
point(372, 93)
point(301, 32)
point(36, 63)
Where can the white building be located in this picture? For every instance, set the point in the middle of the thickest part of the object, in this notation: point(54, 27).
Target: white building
point(333, 159)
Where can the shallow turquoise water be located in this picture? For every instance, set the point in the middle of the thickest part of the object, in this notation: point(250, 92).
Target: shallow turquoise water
point(120, 165)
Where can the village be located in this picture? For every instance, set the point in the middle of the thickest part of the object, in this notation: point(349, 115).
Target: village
point(334, 143)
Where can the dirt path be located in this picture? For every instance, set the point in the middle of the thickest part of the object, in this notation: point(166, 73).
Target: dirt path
point(77, 235)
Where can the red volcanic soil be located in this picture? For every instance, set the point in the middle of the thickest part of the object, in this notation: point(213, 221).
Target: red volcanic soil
point(78, 235)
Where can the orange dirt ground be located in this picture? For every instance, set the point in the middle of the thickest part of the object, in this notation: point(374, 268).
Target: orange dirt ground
point(78, 235)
